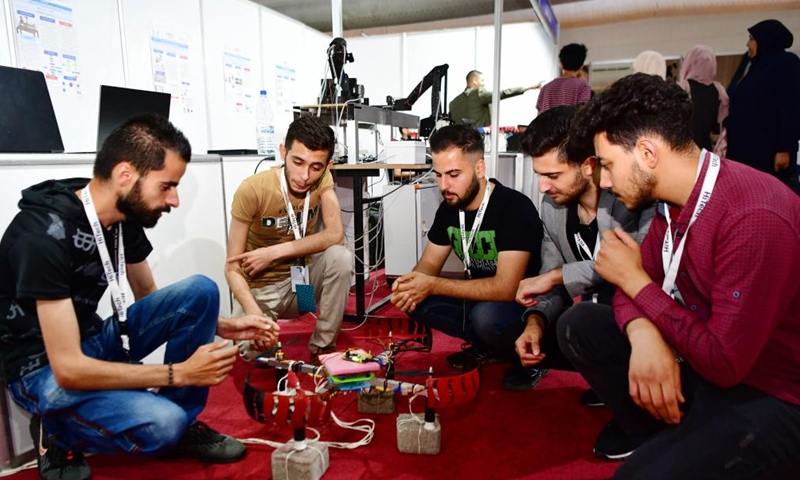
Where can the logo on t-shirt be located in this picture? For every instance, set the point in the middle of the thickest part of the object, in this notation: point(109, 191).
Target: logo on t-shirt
point(483, 254)
point(284, 225)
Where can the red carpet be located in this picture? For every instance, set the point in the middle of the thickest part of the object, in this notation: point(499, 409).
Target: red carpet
point(542, 434)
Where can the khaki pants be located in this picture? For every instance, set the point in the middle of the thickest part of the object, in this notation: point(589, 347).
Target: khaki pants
point(330, 276)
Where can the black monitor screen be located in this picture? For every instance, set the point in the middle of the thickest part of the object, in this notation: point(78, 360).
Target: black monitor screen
point(119, 104)
point(27, 120)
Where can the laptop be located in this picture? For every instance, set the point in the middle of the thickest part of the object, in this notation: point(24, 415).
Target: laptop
point(27, 120)
point(118, 104)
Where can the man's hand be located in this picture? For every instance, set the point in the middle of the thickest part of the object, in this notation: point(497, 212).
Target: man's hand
point(535, 85)
point(532, 287)
point(261, 331)
point(255, 261)
point(654, 375)
point(620, 262)
point(208, 365)
point(411, 289)
point(781, 161)
point(528, 344)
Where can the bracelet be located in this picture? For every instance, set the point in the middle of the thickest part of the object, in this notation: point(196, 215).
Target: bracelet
point(170, 376)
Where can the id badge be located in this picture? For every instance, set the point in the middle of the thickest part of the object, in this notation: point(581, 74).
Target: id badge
point(299, 276)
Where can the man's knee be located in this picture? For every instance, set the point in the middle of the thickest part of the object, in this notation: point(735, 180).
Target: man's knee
point(578, 323)
point(338, 260)
point(201, 286)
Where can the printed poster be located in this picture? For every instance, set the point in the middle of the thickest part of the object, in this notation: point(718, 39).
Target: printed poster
point(285, 80)
point(172, 72)
point(240, 94)
point(46, 42)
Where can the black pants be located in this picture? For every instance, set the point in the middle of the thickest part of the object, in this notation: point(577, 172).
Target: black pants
point(736, 433)
point(553, 359)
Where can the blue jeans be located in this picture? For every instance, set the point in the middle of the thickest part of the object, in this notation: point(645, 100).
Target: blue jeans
point(184, 315)
point(476, 322)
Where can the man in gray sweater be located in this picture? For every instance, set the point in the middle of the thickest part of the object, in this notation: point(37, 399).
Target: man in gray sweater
point(574, 213)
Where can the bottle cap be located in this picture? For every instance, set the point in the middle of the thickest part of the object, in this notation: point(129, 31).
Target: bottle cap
point(263, 92)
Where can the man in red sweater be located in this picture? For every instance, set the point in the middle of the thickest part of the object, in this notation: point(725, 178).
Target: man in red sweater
point(699, 360)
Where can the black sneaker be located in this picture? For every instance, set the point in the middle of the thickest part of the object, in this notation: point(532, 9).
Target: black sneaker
point(590, 399)
point(55, 463)
point(613, 444)
point(207, 445)
point(472, 356)
point(520, 379)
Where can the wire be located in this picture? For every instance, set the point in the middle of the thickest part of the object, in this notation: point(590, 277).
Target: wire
point(374, 199)
point(259, 164)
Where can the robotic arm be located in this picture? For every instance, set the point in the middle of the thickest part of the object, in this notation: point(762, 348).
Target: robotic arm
point(433, 81)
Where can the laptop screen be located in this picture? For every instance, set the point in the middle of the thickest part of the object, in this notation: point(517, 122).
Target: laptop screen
point(119, 104)
point(27, 120)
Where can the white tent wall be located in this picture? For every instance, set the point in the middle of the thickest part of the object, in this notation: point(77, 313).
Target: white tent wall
point(726, 33)
point(231, 27)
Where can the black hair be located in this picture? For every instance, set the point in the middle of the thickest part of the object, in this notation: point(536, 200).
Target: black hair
point(312, 132)
point(637, 105)
point(551, 130)
point(572, 56)
point(463, 137)
point(143, 141)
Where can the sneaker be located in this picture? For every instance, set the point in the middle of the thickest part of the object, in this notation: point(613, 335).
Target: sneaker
point(207, 445)
point(472, 356)
point(55, 463)
point(520, 379)
point(613, 444)
point(590, 399)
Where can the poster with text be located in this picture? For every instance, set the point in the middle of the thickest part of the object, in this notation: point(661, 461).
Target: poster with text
point(172, 72)
point(46, 42)
point(285, 80)
point(239, 89)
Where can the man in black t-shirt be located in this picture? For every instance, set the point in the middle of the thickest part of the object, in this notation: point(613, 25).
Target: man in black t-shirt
point(79, 376)
point(575, 211)
point(502, 232)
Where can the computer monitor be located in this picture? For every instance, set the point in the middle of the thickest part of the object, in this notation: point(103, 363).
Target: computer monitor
point(118, 104)
point(27, 120)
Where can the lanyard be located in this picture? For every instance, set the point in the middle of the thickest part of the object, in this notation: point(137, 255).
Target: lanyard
point(290, 209)
point(466, 244)
point(671, 257)
point(117, 281)
point(583, 246)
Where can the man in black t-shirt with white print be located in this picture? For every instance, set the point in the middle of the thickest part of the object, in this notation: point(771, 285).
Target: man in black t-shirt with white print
point(502, 233)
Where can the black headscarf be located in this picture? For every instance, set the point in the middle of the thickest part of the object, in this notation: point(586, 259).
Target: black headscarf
point(771, 36)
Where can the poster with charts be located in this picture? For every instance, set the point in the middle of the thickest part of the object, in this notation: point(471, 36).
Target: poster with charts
point(240, 93)
point(172, 69)
point(285, 79)
point(46, 42)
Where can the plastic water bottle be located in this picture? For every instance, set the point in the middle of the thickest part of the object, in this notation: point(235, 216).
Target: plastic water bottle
point(265, 127)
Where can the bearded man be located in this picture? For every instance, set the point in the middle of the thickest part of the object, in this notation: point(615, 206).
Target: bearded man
point(494, 230)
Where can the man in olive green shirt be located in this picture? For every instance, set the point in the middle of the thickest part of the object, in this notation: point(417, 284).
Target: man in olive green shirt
point(472, 105)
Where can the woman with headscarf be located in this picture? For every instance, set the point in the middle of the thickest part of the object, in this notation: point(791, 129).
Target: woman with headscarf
point(651, 63)
point(763, 125)
point(709, 98)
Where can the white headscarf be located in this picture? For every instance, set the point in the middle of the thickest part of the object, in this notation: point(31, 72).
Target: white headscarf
point(652, 63)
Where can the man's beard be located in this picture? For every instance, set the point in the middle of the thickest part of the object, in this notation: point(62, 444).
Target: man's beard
point(134, 208)
point(577, 189)
point(469, 195)
point(643, 186)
